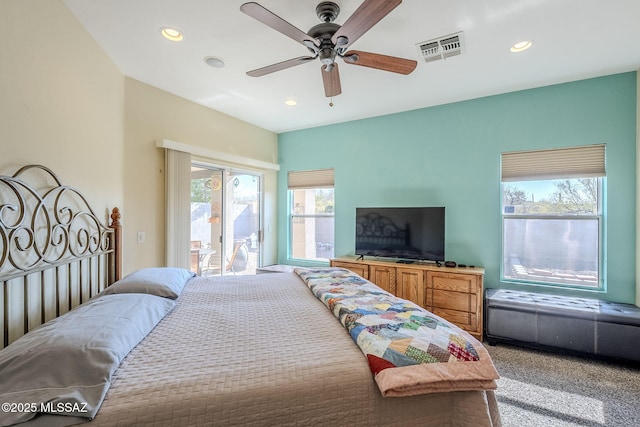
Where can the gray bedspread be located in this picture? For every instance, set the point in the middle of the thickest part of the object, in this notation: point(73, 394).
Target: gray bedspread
point(261, 350)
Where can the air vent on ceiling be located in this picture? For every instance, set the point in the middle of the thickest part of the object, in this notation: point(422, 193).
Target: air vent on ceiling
point(442, 47)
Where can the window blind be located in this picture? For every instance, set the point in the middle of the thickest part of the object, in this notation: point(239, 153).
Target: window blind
point(561, 163)
point(322, 178)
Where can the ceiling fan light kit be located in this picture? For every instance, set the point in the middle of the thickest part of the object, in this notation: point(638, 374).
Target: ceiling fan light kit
point(327, 41)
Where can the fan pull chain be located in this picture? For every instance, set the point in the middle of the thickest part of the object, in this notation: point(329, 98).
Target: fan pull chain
point(331, 102)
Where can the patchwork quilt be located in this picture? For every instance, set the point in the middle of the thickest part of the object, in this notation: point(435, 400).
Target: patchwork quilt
point(409, 349)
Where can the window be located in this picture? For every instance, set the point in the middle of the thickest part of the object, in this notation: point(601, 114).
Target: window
point(311, 215)
point(552, 228)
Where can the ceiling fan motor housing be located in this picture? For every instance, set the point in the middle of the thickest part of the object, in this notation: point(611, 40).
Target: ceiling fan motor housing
point(323, 33)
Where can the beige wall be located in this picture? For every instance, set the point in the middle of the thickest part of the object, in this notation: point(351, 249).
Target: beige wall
point(64, 104)
point(154, 114)
point(61, 101)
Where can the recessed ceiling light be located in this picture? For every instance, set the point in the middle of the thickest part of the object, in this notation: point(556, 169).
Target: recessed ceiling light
point(521, 46)
point(214, 62)
point(171, 34)
point(291, 102)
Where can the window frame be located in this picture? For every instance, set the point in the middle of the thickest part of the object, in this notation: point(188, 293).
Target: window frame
point(599, 217)
point(320, 179)
point(553, 164)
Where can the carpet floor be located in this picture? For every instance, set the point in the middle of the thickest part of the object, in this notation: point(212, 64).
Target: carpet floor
point(546, 389)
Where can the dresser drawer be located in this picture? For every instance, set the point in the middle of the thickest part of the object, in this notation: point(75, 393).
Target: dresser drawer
point(453, 282)
point(464, 319)
point(460, 301)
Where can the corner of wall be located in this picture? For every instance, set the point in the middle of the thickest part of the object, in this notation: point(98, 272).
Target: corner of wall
point(637, 187)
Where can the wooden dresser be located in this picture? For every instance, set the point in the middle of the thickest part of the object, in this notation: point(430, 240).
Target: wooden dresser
point(452, 293)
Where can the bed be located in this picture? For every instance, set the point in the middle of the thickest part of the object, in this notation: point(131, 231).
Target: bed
point(271, 349)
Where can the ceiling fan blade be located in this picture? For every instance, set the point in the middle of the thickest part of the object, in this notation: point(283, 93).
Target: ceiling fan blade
point(280, 66)
point(366, 16)
point(331, 81)
point(380, 62)
point(272, 20)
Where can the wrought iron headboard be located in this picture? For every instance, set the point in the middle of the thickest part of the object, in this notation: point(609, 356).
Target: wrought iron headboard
point(55, 253)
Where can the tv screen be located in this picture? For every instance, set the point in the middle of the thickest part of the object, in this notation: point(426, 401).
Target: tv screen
point(404, 233)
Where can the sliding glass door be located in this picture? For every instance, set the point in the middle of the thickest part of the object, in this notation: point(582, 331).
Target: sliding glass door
point(225, 221)
point(243, 226)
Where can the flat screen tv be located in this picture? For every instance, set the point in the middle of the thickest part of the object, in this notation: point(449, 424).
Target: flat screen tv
point(404, 233)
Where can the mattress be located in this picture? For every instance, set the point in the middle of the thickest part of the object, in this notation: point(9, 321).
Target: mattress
point(262, 350)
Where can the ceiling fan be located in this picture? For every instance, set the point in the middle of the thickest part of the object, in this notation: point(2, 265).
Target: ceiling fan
point(328, 41)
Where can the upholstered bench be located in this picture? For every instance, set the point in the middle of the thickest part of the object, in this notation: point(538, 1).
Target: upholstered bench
point(577, 324)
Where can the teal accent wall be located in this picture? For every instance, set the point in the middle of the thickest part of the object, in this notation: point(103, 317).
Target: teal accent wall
point(449, 156)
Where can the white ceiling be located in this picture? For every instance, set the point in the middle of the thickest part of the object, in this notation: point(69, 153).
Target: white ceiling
point(573, 40)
